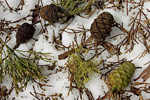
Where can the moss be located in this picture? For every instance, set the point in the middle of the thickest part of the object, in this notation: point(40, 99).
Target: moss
point(81, 69)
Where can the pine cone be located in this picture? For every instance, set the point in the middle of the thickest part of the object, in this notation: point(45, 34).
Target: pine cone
point(101, 27)
point(121, 76)
point(24, 34)
point(50, 13)
point(119, 1)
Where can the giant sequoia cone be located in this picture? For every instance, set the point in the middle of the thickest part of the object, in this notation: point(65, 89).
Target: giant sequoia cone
point(121, 76)
point(101, 27)
point(50, 13)
point(24, 34)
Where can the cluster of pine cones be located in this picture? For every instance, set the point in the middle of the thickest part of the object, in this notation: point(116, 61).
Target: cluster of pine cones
point(100, 29)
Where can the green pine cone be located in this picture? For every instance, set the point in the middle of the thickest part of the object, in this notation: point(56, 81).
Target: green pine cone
point(121, 76)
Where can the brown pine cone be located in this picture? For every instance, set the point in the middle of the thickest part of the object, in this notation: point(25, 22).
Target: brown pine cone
point(50, 13)
point(119, 1)
point(24, 34)
point(101, 27)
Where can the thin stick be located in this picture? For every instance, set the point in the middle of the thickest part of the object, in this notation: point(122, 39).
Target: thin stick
point(127, 8)
point(8, 5)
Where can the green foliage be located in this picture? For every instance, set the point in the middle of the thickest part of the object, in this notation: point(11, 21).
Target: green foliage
point(1, 72)
point(21, 69)
point(81, 69)
point(72, 7)
point(1, 63)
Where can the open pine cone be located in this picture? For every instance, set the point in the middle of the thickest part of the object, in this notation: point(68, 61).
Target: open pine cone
point(101, 27)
